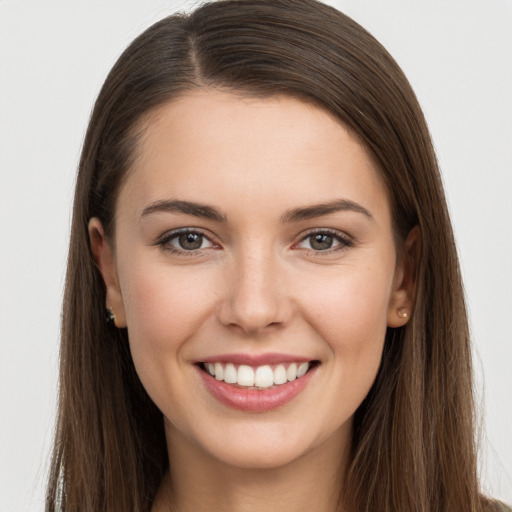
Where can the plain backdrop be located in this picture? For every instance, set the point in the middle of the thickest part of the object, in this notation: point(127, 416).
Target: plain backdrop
point(54, 57)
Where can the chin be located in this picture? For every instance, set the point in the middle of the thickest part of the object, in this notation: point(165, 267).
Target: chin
point(256, 457)
point(266, 446)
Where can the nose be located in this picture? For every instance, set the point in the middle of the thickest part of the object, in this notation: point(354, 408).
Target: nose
point(256, 299)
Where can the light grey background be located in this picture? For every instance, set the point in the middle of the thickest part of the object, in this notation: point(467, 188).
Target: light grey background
point(53, 59)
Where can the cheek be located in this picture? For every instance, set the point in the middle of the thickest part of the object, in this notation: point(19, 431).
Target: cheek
point(157, 297)
point(350, 308)
point(349, 313)
point(164, 309)
point(351, 320)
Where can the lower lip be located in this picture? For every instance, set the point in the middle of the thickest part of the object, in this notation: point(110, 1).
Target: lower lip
point(255, 400)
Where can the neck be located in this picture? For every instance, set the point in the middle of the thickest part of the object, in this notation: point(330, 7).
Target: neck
point(198, 482)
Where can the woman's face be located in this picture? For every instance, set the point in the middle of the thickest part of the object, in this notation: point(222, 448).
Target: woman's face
point(253, 240)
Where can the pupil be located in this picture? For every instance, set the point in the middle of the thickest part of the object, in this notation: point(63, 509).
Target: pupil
point(321, 242)
point(190, 241)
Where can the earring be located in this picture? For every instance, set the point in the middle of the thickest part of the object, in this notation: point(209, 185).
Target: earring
point(402, 312)
point(111, 317)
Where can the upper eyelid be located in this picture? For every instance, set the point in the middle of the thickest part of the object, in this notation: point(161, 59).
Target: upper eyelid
point(164, 242)
point(345, 241)
point(175, 232)
point(168, 235)
point(335, 232)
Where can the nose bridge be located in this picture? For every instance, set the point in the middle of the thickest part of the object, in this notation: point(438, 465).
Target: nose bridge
point(256, 298)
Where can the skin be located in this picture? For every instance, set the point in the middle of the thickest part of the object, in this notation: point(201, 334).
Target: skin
point(256, 285)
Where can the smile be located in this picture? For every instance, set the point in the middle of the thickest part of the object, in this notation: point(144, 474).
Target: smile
point(260, 377)
point(246, 384)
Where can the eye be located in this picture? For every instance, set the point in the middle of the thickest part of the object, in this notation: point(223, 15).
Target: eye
point(186, 240)
point(324, 240)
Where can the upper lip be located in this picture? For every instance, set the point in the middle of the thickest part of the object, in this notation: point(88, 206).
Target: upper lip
point(256, 359)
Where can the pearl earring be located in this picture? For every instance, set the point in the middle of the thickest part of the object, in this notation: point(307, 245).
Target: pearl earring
point(402, 312)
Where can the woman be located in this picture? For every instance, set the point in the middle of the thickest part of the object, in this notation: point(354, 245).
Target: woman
point(259, 211)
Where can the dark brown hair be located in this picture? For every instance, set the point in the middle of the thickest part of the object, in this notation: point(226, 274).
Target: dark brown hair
point(413, 445)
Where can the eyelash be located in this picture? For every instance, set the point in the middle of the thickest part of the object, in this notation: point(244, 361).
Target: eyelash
point(164, 242)
point(344, 241)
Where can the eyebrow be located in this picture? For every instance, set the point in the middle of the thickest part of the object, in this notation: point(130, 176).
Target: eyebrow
point(317, 210)
point(186, 207)
point(297, 214)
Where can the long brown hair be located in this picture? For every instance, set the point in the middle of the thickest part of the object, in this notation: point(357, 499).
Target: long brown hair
point(413, 445)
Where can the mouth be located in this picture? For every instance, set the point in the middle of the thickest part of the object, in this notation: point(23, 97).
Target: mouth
point(257, 377)
point(255, 387)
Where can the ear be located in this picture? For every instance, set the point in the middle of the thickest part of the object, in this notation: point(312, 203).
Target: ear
point(401, 302)
point(105, 260)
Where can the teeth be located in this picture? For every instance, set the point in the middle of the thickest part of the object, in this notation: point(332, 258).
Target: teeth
point(280, 375)
point(245, 375)
point(219, 371)
point(259, 377)
point(302, 369)
point(230, 374)
point(264, 377)
point(291, 373)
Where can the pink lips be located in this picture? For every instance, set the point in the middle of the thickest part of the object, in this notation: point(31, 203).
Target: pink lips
point(257, 359)
point(254, 400)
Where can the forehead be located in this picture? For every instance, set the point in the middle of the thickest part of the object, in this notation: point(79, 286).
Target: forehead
point(215, 146)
